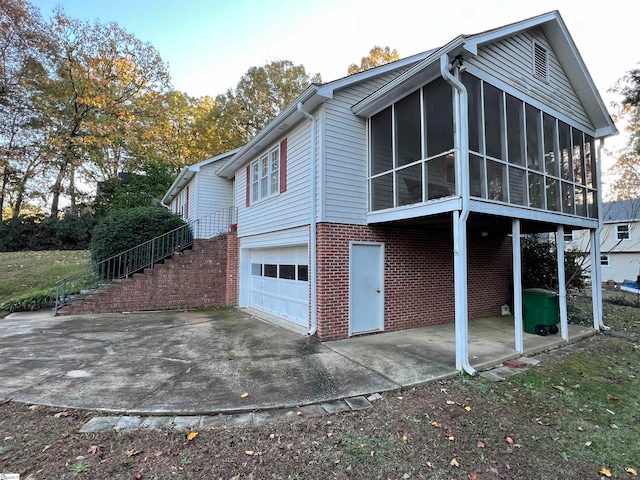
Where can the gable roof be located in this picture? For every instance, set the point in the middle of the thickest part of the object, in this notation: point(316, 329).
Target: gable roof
point(466, 45)
point(311, 98)
point(621, 210)
point(190, 171)
point(425, 66)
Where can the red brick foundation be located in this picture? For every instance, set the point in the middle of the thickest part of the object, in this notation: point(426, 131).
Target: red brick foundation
point(419, 282)
point(205, 276)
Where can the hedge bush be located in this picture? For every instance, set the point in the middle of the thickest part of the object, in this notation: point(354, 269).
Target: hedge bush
point(125, 229)
point(38, 232)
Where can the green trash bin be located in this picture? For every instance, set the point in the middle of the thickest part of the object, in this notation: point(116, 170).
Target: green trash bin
point(540, 310)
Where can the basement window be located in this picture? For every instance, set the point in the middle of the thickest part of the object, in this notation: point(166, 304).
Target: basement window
point(540, 62)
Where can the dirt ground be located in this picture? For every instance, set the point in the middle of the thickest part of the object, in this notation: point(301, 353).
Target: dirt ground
point(466, 428)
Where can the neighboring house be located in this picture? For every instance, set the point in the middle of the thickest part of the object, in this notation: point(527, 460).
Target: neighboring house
point(619, 241)
point(199, 194)
point(389, 199)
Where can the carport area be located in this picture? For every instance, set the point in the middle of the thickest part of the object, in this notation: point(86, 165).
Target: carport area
point(203, 362)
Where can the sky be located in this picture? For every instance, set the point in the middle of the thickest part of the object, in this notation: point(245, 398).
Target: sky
point(210, 44)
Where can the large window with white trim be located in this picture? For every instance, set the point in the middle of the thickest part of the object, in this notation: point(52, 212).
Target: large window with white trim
point(523, 156)
point(411, 149)
point(265, 175)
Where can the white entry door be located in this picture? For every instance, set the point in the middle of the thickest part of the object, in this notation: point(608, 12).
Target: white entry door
point(366, 287)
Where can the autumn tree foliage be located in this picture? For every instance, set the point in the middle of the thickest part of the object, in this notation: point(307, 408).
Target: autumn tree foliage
point(377, 56)
point(260, 95)
point(83, 102)
point(627, 165)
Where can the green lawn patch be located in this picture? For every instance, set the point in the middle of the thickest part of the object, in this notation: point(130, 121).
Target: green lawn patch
point(36, 273)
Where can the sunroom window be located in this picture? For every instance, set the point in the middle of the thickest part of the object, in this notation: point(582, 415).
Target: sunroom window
point(523, 156)
point(411, 149)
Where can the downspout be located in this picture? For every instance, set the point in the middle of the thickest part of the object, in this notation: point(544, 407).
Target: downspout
point(461, 112)
point(596, 244)
point(312, 223)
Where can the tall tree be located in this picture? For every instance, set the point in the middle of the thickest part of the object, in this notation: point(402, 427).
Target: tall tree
point(377, 56)
point(261, 94)
point(97, 73)
point(22, 152)
point(627, 165)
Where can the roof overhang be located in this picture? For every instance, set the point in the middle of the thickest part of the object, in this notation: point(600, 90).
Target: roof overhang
point(561, 42)
point(289, 117)
point(187, 173)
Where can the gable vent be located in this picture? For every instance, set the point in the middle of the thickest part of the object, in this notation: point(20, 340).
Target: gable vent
point(540, 62)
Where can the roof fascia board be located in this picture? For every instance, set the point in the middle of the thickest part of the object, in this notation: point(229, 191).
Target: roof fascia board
point(327, 89)
point(184, 177)
point(365, 106)
point(276, 127)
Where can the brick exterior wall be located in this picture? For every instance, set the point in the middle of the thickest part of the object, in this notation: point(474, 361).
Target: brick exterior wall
point(205, 276)
point(419, 282)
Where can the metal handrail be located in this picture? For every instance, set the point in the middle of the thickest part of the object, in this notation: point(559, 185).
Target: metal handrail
point(142, 256)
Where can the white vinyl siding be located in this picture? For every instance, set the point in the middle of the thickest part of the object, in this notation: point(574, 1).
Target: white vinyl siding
point(287, 209)
point(345, 147)
point(214, 192)
point(511, 60)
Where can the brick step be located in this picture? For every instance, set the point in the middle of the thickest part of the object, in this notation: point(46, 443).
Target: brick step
point(193, 278)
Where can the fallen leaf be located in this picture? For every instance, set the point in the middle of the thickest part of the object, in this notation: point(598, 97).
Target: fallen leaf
point(405, 439)
point(62, 414)
point(373, 452)
point(137, 475)
point(451, 438)
point(611, 397)
point(454, 463)
point(272, 436)
point(244, 395)
point(429, 464)
point(400, 398)
point(614, 426)
point(494, 470)
point(473, 476)
point(580, 429)
point(329, 422)
point(34, 407)
point(557, 387)
point(249, 452)
point(632, 471)
point(446, 432)
point(480, 444)
point(467, 408)
point(509, 440)
point(436, 424)
point(133, 453)
point(60, 441)
point(605, 471)
point(95, 449)
point(450, 402)
point(192, 435)
point(46, 447)
point(588, 444)
point(329, 434)
point(299, 413)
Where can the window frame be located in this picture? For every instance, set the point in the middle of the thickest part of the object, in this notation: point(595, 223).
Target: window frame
point(626, 234)
point(265, 178)
point(605, 260)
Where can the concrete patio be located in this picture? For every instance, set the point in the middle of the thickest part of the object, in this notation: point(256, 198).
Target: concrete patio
point(202, 362)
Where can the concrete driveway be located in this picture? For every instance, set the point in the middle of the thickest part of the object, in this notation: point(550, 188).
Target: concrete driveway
point(193, 363)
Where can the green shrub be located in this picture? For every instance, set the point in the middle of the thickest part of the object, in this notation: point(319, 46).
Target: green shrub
point(540, 265)
point(34, 300)
point(37, 232)
point(125, 229)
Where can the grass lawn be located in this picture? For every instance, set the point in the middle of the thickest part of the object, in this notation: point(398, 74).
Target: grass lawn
point(24, 272)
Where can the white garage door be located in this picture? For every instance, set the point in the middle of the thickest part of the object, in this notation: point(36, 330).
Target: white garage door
point(280, 282)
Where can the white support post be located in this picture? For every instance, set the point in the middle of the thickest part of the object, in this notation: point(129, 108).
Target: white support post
point(460, 282)
point(562, 288)
point(517, 285)
point(596, 279)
